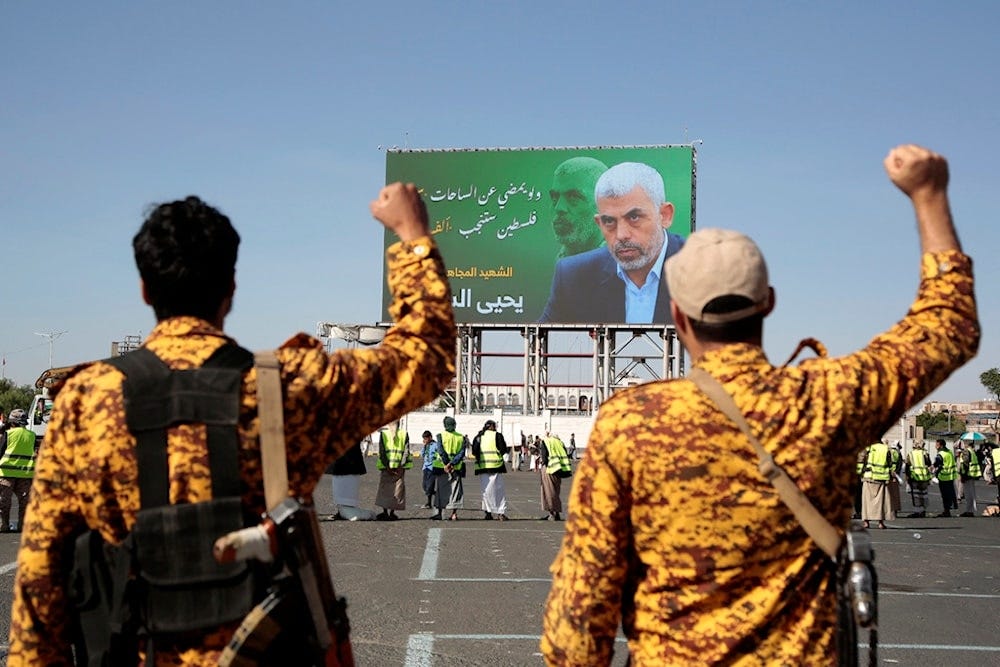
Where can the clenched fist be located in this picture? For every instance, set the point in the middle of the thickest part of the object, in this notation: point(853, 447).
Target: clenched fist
point(917, 171)
point(400, 208)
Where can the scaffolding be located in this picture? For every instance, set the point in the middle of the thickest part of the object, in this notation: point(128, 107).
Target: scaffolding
point(619, 356)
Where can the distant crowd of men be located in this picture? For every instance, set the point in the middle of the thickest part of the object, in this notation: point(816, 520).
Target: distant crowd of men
point(444, 458)
point(883, 469)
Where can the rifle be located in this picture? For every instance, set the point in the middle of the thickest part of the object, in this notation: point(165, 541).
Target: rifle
point(272, 633)
point(301, 597)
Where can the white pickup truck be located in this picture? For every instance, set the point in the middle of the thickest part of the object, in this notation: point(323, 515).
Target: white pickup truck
point(41, 405)
point(38, 415)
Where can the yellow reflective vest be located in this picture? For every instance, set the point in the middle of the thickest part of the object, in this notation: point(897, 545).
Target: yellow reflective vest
point(489, 455)
point(919, 472)
point(452, 443)
point(973, 469)
point(948, 472)
point(878, 463)
point(558, 458)
point(19, 459)
point(394, 452)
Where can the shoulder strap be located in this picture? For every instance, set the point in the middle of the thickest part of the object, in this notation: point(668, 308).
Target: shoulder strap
point(223, 438)
point(818, 528)
point(141, 368)
point(270, 411)
point(157, 397)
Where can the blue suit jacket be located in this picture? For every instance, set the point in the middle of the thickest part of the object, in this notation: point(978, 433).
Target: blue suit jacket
point(586, 289)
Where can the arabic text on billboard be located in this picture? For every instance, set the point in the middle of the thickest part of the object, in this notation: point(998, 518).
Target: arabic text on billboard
point(525, 241)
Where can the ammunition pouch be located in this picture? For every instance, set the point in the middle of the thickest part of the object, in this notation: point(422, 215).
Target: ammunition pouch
point(96, 588)
point(178, 586)
point(162, 580)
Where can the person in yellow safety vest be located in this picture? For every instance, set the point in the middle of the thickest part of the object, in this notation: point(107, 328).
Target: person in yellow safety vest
point(956, 449)
point(875, 503)
point(945, 470)
point(969, 471)
point(393, 461)
point(555, 465)
point(17, 468)
point(488, 448)
point(918, 473)
point(449, 469)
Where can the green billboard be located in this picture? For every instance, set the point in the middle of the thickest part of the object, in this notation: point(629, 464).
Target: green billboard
point(504, 218)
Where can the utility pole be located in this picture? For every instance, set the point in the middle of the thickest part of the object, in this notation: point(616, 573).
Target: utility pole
point(52, 336)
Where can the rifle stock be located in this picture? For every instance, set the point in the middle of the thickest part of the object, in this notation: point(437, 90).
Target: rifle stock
point(272, 633)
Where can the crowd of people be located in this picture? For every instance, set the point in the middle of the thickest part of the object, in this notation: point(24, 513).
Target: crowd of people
point(883, 472)
point(677, 536)
point(445, 458)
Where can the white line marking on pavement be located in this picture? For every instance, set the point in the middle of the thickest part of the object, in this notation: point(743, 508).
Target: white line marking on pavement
point(419, 648)
point(428, 569)
point(942, 544)
point(938, 647)
point(984, 596)
point(8, 567)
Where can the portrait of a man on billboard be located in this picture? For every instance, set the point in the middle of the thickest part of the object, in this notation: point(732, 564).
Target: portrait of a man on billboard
point(573, 205)
point(622, 280)
point(554, 235)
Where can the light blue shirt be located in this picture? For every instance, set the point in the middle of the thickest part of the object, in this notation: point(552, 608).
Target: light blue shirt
point(427, 455)
point(640, 302)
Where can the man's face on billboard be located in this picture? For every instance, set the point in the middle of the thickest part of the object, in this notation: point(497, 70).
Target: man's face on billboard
point(633, 227)
point(573, 205)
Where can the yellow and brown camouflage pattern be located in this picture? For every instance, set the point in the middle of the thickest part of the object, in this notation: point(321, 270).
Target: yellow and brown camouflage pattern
point(87, 476)
point(673, 530)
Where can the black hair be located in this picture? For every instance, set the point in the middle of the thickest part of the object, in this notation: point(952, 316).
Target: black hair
point(426, 434)
point(186, 254)
point(737, 331)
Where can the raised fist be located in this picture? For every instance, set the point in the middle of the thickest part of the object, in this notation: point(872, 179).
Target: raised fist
point(916, 170)
point(400, 208)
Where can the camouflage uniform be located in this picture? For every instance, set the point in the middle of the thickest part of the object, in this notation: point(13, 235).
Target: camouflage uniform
point(86, 474)
point(673, 530)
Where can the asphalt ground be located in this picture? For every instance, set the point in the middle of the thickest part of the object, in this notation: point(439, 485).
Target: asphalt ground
point(427, 593)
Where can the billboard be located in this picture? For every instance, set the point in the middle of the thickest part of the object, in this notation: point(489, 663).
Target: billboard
point(518, 234)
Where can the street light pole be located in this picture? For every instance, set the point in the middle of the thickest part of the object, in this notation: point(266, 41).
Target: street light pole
point(52, 336)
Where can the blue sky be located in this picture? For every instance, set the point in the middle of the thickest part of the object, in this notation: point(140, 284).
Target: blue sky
point(275, 113)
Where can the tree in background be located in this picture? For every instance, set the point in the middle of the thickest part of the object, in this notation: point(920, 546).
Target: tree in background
point(991, 380)
point(940, 423)
point(12, 396)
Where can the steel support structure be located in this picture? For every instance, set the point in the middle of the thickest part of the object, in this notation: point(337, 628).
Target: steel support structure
point(622, 355)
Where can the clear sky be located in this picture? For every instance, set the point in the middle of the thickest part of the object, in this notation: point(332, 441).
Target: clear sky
point(276, 112)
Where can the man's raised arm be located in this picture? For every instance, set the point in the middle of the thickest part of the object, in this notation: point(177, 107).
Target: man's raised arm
point(923, 176)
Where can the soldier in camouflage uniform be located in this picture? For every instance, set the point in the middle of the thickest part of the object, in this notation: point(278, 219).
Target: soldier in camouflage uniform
point(87, 475)
point(673, 532)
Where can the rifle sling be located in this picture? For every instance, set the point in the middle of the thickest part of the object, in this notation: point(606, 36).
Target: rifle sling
point(816, 526)
point(272, 428)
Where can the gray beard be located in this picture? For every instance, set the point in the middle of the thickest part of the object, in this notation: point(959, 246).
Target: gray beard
point(644, 259)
